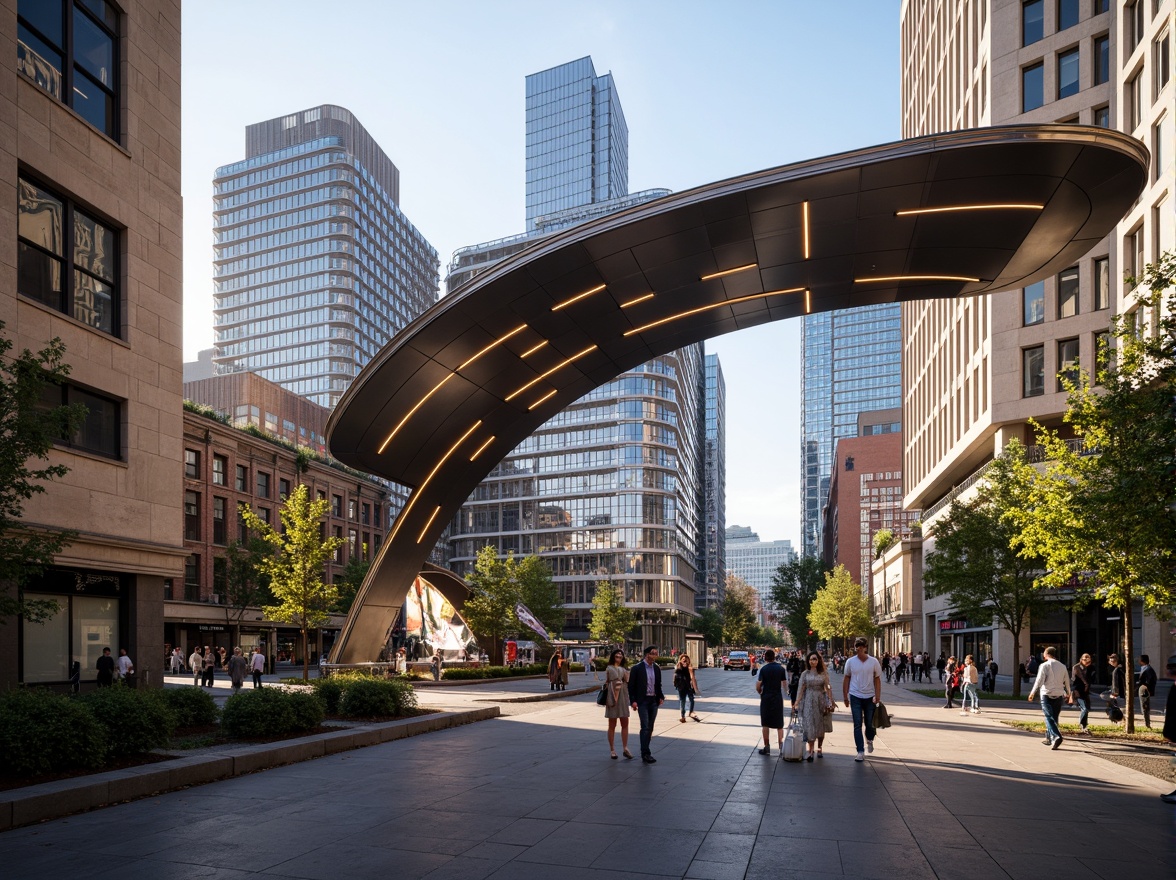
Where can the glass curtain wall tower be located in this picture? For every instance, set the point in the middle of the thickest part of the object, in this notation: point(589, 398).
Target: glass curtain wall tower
point(713, 573)
point(316, 265)
point(851, 363)
point(611, 488)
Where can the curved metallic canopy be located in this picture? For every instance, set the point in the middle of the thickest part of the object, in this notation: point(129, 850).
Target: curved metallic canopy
point(950, 215)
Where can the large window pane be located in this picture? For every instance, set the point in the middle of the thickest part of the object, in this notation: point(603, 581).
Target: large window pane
point(100, 430)
point(1067, 362)
point(95, 626)
point(93, 103)
point(45, 16)
point(1033, 371)
point(94, 248)
point(1032, 87)
point(1068, 292)
point(1102, 284)
point(93, 49)
point(1068, 73)
point(38, 61)
point(1032, 21)
point(1033, 298)
point(93, 302)
point(1102, 60)
point(40, 218)
point(1067, 14)
point(46, 645)
point(39, 276)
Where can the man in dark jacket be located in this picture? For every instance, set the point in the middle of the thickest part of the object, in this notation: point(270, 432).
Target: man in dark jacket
point(645, 695)
point(1170, 721)
point(1080, 688)
point(1147, 687)
point(105, 667)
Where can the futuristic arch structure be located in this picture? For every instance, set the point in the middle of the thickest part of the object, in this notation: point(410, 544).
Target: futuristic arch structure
point(957, 214)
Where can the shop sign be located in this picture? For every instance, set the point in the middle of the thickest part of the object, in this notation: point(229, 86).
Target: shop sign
point(211, 627)
point(954, 624)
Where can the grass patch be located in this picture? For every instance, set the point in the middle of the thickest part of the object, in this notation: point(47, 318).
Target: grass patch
point(984, 695)
point(1097, 731)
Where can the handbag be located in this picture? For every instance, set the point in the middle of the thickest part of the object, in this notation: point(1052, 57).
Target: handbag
point(793, 748)
point(602, 697)
point(881, 717)
point(827, 722)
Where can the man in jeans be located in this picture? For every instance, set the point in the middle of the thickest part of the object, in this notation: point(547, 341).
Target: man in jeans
point(1080, 688)
point(862, 691)
point(645, 695)
point(1054, 684)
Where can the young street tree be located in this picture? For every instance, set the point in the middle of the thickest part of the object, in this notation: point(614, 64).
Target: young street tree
point(709, 624)
point(498, 585)
point(738, 611)
point(612, 619)
point(794, 586)
point(296, 566)
point(976, 563)
point(28, 430)
point(840, 611)
point(246, 584)
point(1103, 515)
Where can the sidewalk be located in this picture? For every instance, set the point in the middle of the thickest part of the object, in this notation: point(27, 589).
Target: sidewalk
point(535, 795)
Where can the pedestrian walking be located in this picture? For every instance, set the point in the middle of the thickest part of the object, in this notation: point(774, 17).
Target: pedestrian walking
point(557, 671)
point(970, 679)
point(237, 670)
point(177, 661)
point(616, 703)
point(794, 666)
point(952, 683)
point(1147, 687)
point(917, 663)
point(1053, 683)
point(645, 696)
point(196, 664)
point(769, 684)
point(400, 662)
point(862, 690)
point(126, 669)
point(209, 665)
point(1118, 683)
point(815, 698)
point(686, 685)
point(105, 667)
point(1080, 688)
point(257, 666)
point(1170, 722)
point(941, 664)
point(435, 665)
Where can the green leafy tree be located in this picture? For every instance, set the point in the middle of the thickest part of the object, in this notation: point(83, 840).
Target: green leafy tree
point(348, 583)
point(739, 605)
point(840, 609)
point(709, 624)
point(975, 561)
point(612, 620)
point(883, 540)
point(1102, 516)
point(28, 430)
point(246, 584)
point(490, 608)
point(296, 565)
point(794, 586)
point(538, 591)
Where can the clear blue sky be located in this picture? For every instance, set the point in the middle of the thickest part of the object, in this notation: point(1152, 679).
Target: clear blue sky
point(710, 90)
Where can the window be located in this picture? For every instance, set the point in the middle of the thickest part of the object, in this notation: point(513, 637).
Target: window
point(191, 464)
point(76, 279)
point(283, 489)
point(351, 509)
point(263, 484)
point(1033, 371)
point(1158, 156)
point(1134, 243)
point(1068, 292)
point(352, 544)
point(100, 431)
point(242, 478)
point(219, 531)
point(376, 516)
point(191, 516)
point(1032, 87)
point(220, 470)
point(1068, 73)
point(1136, 22)
point(1102, 59)
point(264, 515)
point(192, 578)
point(69, 50)
point(365, 515)
point(1133, 102)
point(1067, 14)
point(1067, 362)
point(242, 529)
point(1102, 283)
point(1032, 21)
point(1102, 117)
point(1104, 349)
point(220, 578)
point(337, 505)
point(1101, 6)
point(1162, 62)
point(339, 544)
point(271, 423)
point(1033, 298)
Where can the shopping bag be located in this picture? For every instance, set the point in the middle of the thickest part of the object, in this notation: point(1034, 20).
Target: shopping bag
point(881, 717)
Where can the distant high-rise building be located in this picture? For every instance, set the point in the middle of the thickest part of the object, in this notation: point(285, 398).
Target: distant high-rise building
point(577, 140)
point(611, 488)
point(851, 362)
point(713, 570)
point(316, 265)
point(756, 561)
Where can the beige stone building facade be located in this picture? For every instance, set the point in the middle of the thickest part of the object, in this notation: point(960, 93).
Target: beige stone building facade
point(976, 370)
point(90, 171)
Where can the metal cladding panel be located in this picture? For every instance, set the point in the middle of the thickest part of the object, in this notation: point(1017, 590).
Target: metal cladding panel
point(1086, 178)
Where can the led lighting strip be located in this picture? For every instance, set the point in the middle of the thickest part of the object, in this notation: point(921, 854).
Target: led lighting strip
point(718, 305)
point(578, 297)
point(882, 278)
point(420, 490)
point(554, 369)
point(1012, 206)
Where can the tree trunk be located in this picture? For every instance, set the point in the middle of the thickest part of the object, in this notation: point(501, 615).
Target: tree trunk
point(305, 657)
point(1127, 661)
point(1016, 664)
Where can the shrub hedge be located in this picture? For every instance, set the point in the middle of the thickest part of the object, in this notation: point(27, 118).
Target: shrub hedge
point(44, 732)
point(373, 697)
point(191, 707)
point(135, 721)
point(270, 711)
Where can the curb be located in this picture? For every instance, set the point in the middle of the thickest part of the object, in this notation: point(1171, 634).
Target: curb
point(52, 800)
point(539, 698)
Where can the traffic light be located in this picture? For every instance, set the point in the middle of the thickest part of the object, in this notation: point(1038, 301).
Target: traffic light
point(810, 632)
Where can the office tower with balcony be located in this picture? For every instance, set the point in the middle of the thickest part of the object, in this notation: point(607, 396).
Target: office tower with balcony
point(850, 364)
point(611, 488)
point(316, 265)
point(976, 370)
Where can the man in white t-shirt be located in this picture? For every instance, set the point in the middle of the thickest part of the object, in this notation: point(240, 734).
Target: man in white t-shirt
point(126, 669)
point(862, 691)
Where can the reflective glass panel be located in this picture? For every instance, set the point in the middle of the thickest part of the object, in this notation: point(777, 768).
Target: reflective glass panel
point(1032, 21)
point(1033, 371)
point(1068, 73)
point(1032, 88)
point(99, 432)
point(46, 645)
point(1034, 303)
point(94, 246)
point(93, 302)
point(36, 60)
point(95, 626)
point(93, 49)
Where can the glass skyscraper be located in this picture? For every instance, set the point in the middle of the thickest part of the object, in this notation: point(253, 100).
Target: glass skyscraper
point(611, 488)
point(713, 570)
point(316, 265)
point(851, 362)
point(577, 140)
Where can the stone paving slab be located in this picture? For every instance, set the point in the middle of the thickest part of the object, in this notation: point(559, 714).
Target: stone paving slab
point(535, 795)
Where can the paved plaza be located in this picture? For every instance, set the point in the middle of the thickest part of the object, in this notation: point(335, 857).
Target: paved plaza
point(533, 794)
